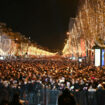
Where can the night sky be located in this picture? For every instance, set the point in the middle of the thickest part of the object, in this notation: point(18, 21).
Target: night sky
point(46, 21)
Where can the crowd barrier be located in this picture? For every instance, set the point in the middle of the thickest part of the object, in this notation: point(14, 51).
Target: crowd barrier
point(50, 97)
point(41, 97)
point(37, 95)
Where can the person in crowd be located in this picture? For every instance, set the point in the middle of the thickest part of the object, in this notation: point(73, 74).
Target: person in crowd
point(66, 98)
point(100, 94)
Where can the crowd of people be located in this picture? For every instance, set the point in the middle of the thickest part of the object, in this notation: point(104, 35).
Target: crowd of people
point(52, 74)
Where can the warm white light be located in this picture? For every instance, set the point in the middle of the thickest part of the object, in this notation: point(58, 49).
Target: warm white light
point(97, 57)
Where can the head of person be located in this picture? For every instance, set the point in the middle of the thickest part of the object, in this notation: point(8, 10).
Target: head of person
point(66, 98)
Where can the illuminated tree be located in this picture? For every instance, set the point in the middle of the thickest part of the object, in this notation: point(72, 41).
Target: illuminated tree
point(89, 26)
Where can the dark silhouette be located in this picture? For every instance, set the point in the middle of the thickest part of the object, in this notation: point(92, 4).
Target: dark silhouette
point(15, 100)
point(4, 102)
point(100, 96)
point(66, 98)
